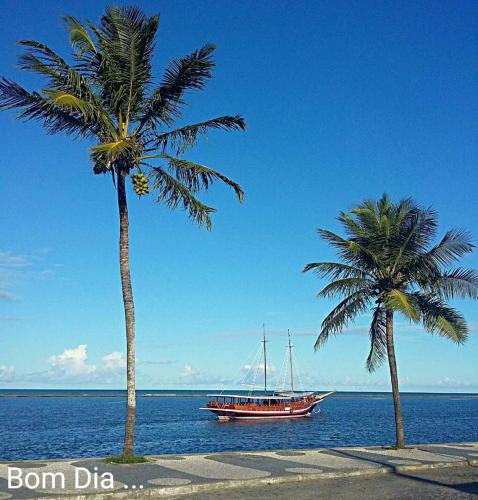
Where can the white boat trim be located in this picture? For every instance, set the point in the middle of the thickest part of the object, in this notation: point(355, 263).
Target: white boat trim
point(267, 417)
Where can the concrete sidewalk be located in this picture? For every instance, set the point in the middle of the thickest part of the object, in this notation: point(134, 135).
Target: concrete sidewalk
point(185, 474)
point(449, 483)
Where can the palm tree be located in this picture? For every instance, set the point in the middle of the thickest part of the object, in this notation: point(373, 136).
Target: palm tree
point(390, 266)
point(107, 95)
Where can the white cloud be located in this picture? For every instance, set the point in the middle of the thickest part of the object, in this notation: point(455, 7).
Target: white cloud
point(72, 366)
point(381, 382)
point(7, 373)
point(72, 362)
point(253, 375)
point(260, 368)
point(449, 382)
point(157, 362)
point(114, 361)
point(193, 376)
point(189, 371)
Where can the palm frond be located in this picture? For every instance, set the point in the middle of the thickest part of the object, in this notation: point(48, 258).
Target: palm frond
point(80, 38)
point(378, 340)
point(189, 72)
point(368, 216)
point(416, 232)
point(335, 270)
point(183, 138)
point(438, 317)
point(341, 316)
point(33, 106)
point(458, 282)
point(350, 250)
point(126, 41)
point(40, 59)
point(396, 300)
point(173, 193)
point(352, 227)
point(63, 79)
point(113, 149)
point(195, 176)
point(71, 103)
point(454, 245)
point(344, 286)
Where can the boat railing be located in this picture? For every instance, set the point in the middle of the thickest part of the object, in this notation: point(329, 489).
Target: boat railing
point(255, 404)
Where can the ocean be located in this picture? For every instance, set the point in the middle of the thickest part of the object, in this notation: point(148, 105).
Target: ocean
point(84, 423)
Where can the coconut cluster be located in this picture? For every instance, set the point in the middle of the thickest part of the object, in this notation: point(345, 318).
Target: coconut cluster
point(140, 184)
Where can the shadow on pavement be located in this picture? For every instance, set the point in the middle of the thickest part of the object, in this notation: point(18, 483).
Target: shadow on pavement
point(471, 487)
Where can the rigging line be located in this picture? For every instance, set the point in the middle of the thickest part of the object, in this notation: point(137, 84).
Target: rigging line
point(272, 379)
point(298, 375)
point(223, 385)
point(275, 378)
point(283, 373)
point(256, 365)
point(251, 365)
point(254, 381)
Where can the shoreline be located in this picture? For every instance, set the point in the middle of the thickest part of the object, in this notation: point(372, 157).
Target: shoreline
point(195, 395)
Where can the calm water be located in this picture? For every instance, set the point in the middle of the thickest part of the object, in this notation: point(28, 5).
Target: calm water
point(60, 427)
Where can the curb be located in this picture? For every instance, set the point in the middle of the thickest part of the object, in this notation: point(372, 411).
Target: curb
point(190, 489)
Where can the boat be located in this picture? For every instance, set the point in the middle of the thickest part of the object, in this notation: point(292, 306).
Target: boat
point(275, 405)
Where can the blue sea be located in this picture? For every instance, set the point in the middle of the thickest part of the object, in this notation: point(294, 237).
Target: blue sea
point(64, 424)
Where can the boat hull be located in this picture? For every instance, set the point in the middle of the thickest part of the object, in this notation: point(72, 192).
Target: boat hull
point(224, 414)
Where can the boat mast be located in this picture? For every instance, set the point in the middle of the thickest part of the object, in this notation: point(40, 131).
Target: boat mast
point(265, 355)
point(290, 362)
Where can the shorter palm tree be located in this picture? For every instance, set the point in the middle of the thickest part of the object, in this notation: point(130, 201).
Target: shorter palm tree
point(390, 266)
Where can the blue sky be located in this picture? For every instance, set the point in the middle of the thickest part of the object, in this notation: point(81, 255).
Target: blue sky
point(344, 100)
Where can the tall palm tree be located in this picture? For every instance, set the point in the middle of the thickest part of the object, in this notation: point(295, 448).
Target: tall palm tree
point(107, 95)
point(390, 266)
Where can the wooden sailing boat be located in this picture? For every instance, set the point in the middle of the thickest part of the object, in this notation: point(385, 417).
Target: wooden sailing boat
point(278, 404)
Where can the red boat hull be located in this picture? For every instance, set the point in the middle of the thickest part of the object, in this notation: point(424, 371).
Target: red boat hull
point(264, 413)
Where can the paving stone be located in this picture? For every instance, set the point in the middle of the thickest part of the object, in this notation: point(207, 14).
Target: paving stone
point(169, 481)
point(290, 453)
point(384, 456)
point(404, 462)
point(206, 468)
point(327, 460)
point(303, 470)
point(270, 463)
point(453, 450)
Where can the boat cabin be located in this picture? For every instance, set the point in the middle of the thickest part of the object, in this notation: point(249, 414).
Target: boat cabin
point(227, 400)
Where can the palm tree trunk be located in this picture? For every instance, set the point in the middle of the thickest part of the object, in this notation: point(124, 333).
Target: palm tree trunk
point(128, 449)
point(400, 437)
